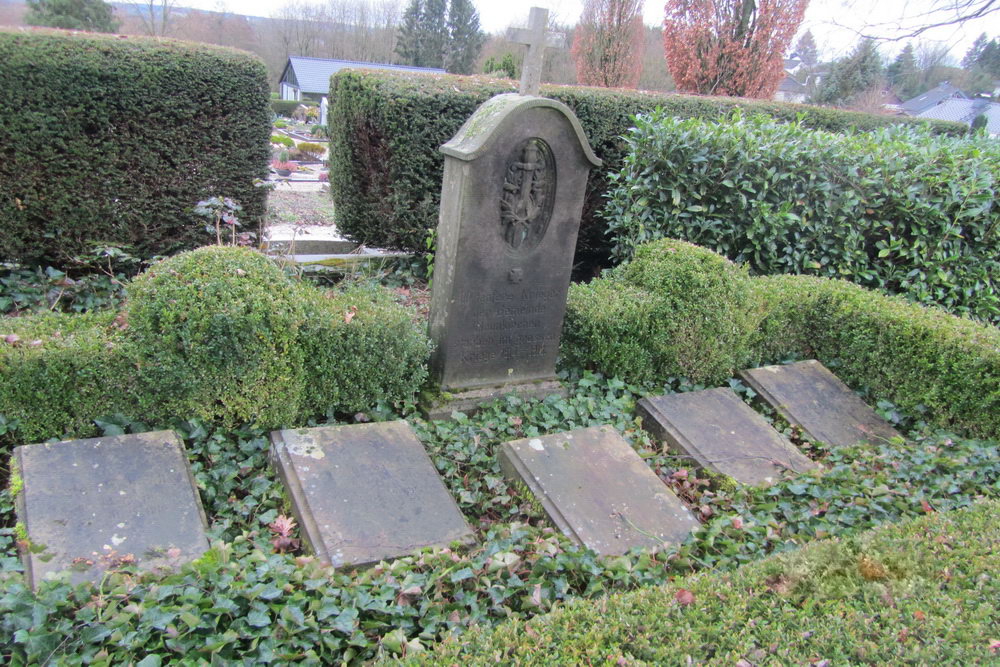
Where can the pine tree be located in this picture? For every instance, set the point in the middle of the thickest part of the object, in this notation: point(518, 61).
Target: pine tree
point(434, 23)
point(904, 74)
point(975, 51)
point(465, 38)
point(92, 15)
point(806, 49)
point(409, 45)
point(852, 76)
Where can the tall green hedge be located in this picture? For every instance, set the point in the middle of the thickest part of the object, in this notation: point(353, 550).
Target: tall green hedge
point(386, 128)
point(922, 359)
point(896, 208)
point(114, 139)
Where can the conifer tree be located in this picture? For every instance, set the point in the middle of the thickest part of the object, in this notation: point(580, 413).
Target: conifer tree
point(409, 45)
point(852, 76)
point(92, 15)
point(806, 49)
point(904, 74)
point(465, 38)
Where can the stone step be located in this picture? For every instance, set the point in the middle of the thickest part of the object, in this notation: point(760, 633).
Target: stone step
point(597, 490)
point(809, 396)
point(94, 504)
point(308, 240)
point(719, 432)
point(364, 493)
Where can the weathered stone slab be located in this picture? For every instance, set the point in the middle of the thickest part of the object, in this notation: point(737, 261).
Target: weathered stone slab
point(514, 182)
point(809, 396)
point(365, 492)
point(597, 490)
point(95, 503)
point(721, 433)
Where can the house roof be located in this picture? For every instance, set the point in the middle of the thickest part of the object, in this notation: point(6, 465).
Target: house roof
point(964, 111)
point(312, 75)
point(792, 85)
point(916, 105)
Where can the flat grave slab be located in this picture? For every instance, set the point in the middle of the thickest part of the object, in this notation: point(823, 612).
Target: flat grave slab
point(597, 490)
point(364, 493)
point(809, 396)
point(94, 503)
point(721, 433)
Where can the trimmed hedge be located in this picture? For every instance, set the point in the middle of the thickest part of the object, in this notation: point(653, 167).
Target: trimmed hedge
point(287, 107)
point(922, 359)
point(386, 128)
point(677, 310)
point(897, 208)
point(114, 140)
point(217, 334)
point(913, 593)
point(61, 372)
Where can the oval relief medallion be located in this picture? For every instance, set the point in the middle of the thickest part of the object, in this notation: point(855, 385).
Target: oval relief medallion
point(529, 189)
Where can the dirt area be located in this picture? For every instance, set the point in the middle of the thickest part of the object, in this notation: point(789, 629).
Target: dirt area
point(299, 208)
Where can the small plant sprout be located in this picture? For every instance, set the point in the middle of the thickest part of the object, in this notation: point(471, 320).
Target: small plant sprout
point(221, 211)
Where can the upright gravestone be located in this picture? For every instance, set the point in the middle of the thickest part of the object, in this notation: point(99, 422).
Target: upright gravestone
point(89, 505)
point(511, 201)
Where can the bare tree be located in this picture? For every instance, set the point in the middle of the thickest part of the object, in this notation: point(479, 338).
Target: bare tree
point(930, 15)
point(155, 15)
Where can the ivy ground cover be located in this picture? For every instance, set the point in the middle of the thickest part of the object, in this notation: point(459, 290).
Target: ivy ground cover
point(254, 598)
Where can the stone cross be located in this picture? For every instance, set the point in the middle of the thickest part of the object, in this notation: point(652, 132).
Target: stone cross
point(537, 40)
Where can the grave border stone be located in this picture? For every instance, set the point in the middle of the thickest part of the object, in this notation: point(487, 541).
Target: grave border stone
point(303, 444)
point(655, 414)
point(144, 561)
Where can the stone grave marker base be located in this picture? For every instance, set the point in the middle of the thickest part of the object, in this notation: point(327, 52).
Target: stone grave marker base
point(469, 401)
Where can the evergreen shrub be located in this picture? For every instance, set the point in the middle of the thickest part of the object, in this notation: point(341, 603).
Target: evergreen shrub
point(916, 592)
point(386, 128)
point(922, 359)
point(215, 332)
point(287, 107)
point(676, 310)
point(59, 371)
point(113, 139)
point(218, 334)
point(895, 208)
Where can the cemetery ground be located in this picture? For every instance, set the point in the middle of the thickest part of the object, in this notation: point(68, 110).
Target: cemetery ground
point(921, 590)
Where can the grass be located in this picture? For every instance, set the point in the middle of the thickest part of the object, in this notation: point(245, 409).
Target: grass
point(921, 591)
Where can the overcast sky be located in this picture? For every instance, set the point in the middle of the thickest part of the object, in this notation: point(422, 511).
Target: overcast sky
point(834, 23)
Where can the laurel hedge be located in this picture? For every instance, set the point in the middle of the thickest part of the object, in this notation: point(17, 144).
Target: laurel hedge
point(386, 127)
point(897, 208)
point(114, 139)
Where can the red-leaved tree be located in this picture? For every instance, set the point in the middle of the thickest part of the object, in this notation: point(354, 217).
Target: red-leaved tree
point(607, 45)
point(729, 47)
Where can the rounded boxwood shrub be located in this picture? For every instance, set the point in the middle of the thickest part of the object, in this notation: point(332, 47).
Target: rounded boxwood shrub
point(676, 310)
point(215, 334)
